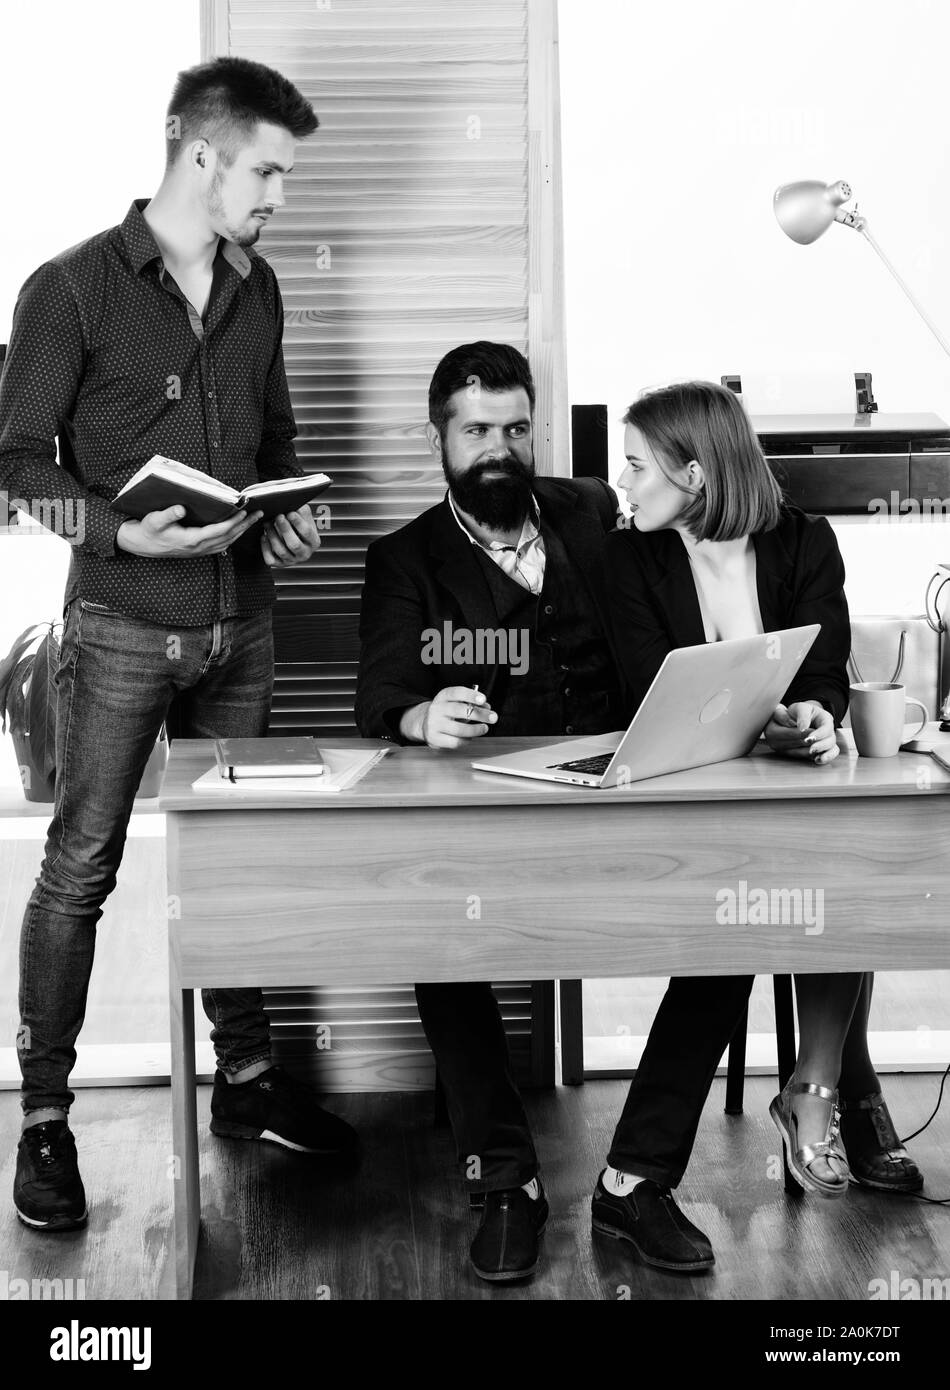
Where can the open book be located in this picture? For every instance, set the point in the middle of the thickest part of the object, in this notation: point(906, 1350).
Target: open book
point(164, 482)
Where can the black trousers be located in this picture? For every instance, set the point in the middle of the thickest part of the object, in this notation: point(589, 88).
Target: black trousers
point(691, 1031)
point(463, 1025)
point(657, 1129)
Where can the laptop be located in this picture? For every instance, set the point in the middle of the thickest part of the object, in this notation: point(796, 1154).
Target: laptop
point(707, 704)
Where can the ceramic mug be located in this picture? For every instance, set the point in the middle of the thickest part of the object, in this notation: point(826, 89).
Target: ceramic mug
point(877, 718)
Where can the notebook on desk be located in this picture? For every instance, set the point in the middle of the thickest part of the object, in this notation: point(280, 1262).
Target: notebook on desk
point(342, 769)
point(707, 704)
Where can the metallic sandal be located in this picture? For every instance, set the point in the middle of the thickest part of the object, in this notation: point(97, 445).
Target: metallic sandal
point(800, 1158)
point(875, 1153)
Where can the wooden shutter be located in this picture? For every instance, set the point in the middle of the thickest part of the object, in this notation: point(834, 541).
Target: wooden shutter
point(425, 212)
point(372, 1040)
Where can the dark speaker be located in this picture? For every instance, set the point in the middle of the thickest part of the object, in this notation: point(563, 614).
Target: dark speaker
point(589, 441)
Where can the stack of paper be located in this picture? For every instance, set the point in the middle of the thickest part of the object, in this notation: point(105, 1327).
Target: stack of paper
point(344, 768)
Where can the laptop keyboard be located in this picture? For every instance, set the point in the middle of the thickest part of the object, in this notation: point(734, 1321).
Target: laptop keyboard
point(596, 767)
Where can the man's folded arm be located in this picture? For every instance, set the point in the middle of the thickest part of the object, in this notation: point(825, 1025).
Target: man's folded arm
point(392, 677)
point(41, 377)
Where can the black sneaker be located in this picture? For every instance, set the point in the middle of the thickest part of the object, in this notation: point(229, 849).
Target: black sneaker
point(47, 1192)
point(506, 1243)
point(649, 1220)
point(277, 1107)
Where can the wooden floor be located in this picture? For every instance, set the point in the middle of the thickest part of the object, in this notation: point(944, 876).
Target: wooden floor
point(280, 1226)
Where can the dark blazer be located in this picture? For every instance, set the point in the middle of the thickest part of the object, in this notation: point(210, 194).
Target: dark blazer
point(654, 605)
point(427, 574)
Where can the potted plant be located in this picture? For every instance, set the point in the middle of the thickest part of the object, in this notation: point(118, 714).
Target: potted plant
point(28, 706)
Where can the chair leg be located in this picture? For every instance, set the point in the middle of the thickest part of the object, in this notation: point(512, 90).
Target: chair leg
point(784, 1026)
point(735, 1067)
point(572, 1033)
point(785, 1045)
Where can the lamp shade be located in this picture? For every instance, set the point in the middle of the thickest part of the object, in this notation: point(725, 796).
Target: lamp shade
point(805, 210)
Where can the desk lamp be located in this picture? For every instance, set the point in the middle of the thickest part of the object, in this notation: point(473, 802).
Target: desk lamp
point(806, 210)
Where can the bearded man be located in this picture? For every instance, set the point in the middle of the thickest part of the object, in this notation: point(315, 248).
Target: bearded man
point(509, 566)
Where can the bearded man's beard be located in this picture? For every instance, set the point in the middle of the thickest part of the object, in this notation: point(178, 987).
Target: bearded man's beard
point(500, 502)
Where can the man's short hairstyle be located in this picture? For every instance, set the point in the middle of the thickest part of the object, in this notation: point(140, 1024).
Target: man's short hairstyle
point(702, 421)
point(224, 100)
point(478, 366)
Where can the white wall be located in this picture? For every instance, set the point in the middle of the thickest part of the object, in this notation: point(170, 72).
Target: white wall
point(679, 120)
point(83, 93)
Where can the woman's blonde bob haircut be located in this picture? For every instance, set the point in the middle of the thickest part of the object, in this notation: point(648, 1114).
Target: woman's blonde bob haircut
point(702, 421)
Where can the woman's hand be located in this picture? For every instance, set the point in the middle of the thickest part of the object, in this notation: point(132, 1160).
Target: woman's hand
point(803, 730)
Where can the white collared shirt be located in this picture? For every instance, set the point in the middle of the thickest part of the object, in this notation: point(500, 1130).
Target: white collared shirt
point(524, 562)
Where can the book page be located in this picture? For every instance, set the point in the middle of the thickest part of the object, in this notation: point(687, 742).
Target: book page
point(316, 480)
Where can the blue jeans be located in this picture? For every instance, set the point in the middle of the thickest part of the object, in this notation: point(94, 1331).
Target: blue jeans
point(116, 680)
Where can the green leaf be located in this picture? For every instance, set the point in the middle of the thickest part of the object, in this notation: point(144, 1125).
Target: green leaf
point(8, 665)
point(18, 692)
point(41, 711)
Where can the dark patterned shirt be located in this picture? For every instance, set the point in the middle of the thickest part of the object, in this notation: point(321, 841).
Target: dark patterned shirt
point(107, 354)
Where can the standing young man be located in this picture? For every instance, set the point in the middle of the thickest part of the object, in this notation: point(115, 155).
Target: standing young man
point(159, 336)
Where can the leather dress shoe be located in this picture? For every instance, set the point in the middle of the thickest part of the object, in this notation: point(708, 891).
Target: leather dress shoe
point(648, 1218)
point(876, 1156)
point(506, 1243)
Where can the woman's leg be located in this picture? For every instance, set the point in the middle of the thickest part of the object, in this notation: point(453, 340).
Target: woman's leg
point(826, 1006)
point(876, 1156)
point(858, 1077)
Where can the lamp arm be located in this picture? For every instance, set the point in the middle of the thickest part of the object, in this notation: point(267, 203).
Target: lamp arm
point(859, 224)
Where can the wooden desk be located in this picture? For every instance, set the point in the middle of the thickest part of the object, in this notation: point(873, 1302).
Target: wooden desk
point(428, 870)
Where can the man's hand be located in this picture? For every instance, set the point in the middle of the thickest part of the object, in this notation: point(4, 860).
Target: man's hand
point(454, 715)
point(291, 539)
point(803, 730)
point(161, 535)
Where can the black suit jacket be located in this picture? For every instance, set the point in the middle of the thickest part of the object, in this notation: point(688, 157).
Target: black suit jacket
point(799, 572)
point(427, 574)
